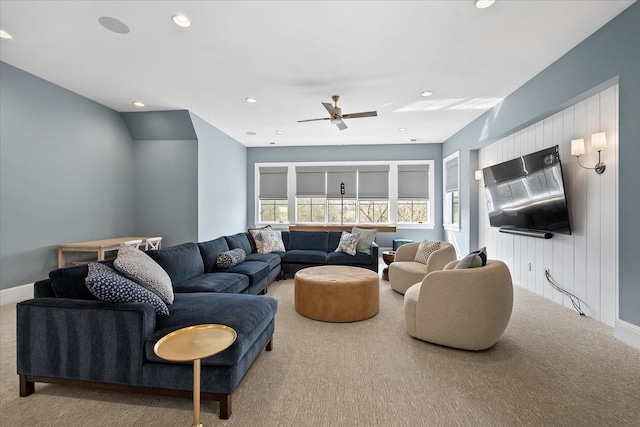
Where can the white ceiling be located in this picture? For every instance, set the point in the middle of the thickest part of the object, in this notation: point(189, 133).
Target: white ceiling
point(293, 55)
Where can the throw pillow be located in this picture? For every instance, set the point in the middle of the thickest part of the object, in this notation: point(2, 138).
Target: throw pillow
point(367, 236)
point(107, 285)
point(272, 242)
point(230, 258)
point(348, 243)
point(474, 259)
point(256, 233)
point(425, 249)
point(139, 267)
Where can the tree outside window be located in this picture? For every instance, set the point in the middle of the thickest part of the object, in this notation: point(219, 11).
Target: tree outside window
point(310, 209)
point(374, 211)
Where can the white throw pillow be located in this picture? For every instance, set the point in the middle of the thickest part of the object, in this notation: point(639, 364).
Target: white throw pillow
point(348, 243)
point(272, 242)
point(139, 267)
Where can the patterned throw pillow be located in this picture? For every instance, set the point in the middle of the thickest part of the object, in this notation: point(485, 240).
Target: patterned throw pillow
point(425, 249)
point(230, 258)
point(272, 242)
point(367, 236)
point(474, 259)
point(107, 285)
point(348, 243)
point(139, 267)
point(256, 233)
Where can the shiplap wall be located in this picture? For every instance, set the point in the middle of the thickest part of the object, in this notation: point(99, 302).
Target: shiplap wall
point(585, 263)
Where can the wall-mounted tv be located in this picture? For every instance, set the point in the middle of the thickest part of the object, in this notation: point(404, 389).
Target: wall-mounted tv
point(527, 194)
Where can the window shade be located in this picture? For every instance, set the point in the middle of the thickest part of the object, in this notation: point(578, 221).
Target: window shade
point(373, 182)
point(337, 175)
point(451, 175)
point(273, 182)
point(310, 181)
point(413, 182)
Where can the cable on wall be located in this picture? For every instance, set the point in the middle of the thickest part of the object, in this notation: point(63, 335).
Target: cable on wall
point(574, 299)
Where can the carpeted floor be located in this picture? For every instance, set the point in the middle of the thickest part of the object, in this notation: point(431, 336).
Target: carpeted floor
point(550, 368)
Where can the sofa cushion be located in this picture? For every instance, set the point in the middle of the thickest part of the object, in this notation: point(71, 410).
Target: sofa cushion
point(367, 236)
point(181, 262)
point(340, 258)
point(107, 285)
point(239, 240)
point(69, 283)
point(209, 251)
point(231, 283)
point(299, 256)
point(313, 240)
point(139, 267)
point(249, 315)
point(254, 270)
point(230, 258)
point(273, 259)
point(334, 240)
point(348, 243)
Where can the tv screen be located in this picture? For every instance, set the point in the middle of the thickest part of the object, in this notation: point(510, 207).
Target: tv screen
point(527, 193)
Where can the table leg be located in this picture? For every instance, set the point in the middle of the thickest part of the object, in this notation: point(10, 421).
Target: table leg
point(196, 393)
point(61, 261)
point(100, 254)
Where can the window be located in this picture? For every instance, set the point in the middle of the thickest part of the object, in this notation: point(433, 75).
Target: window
point(310, 209)
point(451, 193)
point(373, 194)
point(311, 194)
point(273, 203)
point(341, 212)
point(413, 193)
point(375, 211)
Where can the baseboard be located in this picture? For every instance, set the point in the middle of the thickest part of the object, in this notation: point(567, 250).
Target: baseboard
point(16, 294)
point(627, 333)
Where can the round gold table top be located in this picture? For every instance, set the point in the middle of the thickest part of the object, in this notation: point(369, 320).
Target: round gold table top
point(195, 342)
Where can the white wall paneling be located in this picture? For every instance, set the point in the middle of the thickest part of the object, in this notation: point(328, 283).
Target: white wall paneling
point(584, 263)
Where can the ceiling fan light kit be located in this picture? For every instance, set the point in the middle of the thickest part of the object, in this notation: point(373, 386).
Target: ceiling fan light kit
point(336, 115)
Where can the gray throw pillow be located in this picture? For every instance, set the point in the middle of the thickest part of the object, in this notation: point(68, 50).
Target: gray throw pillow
point(367, 236)
point(107, 285)
point(230, 258)
point(348, 243)
point(139, 267)
point(474, 259)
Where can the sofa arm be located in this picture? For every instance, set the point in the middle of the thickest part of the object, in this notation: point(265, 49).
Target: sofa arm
point(83, 340)
point(374, 257)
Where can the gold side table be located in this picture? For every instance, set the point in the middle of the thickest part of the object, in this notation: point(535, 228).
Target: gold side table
point(192, 344)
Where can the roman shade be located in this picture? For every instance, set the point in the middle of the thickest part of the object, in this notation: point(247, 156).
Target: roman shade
point(341, 174)
point(310, 181)
point(451, 174)
point(373, 182)
point(413, 182)
point(273, 182)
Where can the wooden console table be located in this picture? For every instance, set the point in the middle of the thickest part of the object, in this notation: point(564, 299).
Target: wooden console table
point(99, 247)
point(336, 227)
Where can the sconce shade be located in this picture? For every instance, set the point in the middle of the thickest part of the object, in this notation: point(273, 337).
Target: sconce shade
point(599, 141)
point(577, 147)
point(478, 175)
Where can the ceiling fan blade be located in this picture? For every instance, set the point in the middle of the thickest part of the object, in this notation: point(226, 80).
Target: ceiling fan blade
point(312, 120)
point(341, 125)
point(330, 109)
point(358, 115)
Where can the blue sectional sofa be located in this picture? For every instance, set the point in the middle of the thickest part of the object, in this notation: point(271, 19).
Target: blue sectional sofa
point(65, 335)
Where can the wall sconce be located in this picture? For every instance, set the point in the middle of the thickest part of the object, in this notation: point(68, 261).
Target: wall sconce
point(478, 175)
point(598, 142)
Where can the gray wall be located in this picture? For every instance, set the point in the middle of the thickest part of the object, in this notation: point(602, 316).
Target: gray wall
point(355, 153)
point(66, 168)
point(222, 182)
point(612, 52)
point(166, 175)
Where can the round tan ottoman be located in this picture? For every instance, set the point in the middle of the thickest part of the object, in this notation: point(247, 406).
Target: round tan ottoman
point(335, 293)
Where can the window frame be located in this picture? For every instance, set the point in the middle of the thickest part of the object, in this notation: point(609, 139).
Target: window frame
point(448, 196)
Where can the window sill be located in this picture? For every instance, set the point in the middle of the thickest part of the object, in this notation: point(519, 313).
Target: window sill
point(415, 226)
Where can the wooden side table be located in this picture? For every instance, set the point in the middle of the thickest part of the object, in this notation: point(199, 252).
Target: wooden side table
point(388, 257)
point(192, 344)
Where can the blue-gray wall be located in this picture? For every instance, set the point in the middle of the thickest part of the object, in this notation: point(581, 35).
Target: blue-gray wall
point(66, 169)
point(355, 153)
point(610, 54)
point(222, 182)
point(166, 175)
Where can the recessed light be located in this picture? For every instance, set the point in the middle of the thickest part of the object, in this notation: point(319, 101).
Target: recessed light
point(181, 21)
point(402, 129)
point(138, 104)
point(251, 100)
point(279, 132)
point(251, 133)
point(5, 35)
point(483, 4)
point(426, 93)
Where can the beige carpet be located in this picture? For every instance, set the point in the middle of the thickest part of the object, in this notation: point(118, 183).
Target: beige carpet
point(551, 368)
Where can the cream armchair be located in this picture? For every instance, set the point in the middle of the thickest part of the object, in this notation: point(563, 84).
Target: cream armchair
point(467, 308)
point(404, 272)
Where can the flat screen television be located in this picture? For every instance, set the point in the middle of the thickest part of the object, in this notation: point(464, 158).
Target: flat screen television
point(527, 194)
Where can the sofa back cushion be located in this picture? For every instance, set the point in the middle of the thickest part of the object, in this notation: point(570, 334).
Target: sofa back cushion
point(181, 262)
point(210, 251)
point(334, 240)
point(313, 240)
point(240, 240)
point(68, 282)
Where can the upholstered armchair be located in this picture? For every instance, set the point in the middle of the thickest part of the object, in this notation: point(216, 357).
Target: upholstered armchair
point(404, 272)
point(465, 308)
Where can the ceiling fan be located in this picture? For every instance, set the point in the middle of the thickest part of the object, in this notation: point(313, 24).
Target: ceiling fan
point(337, 116)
